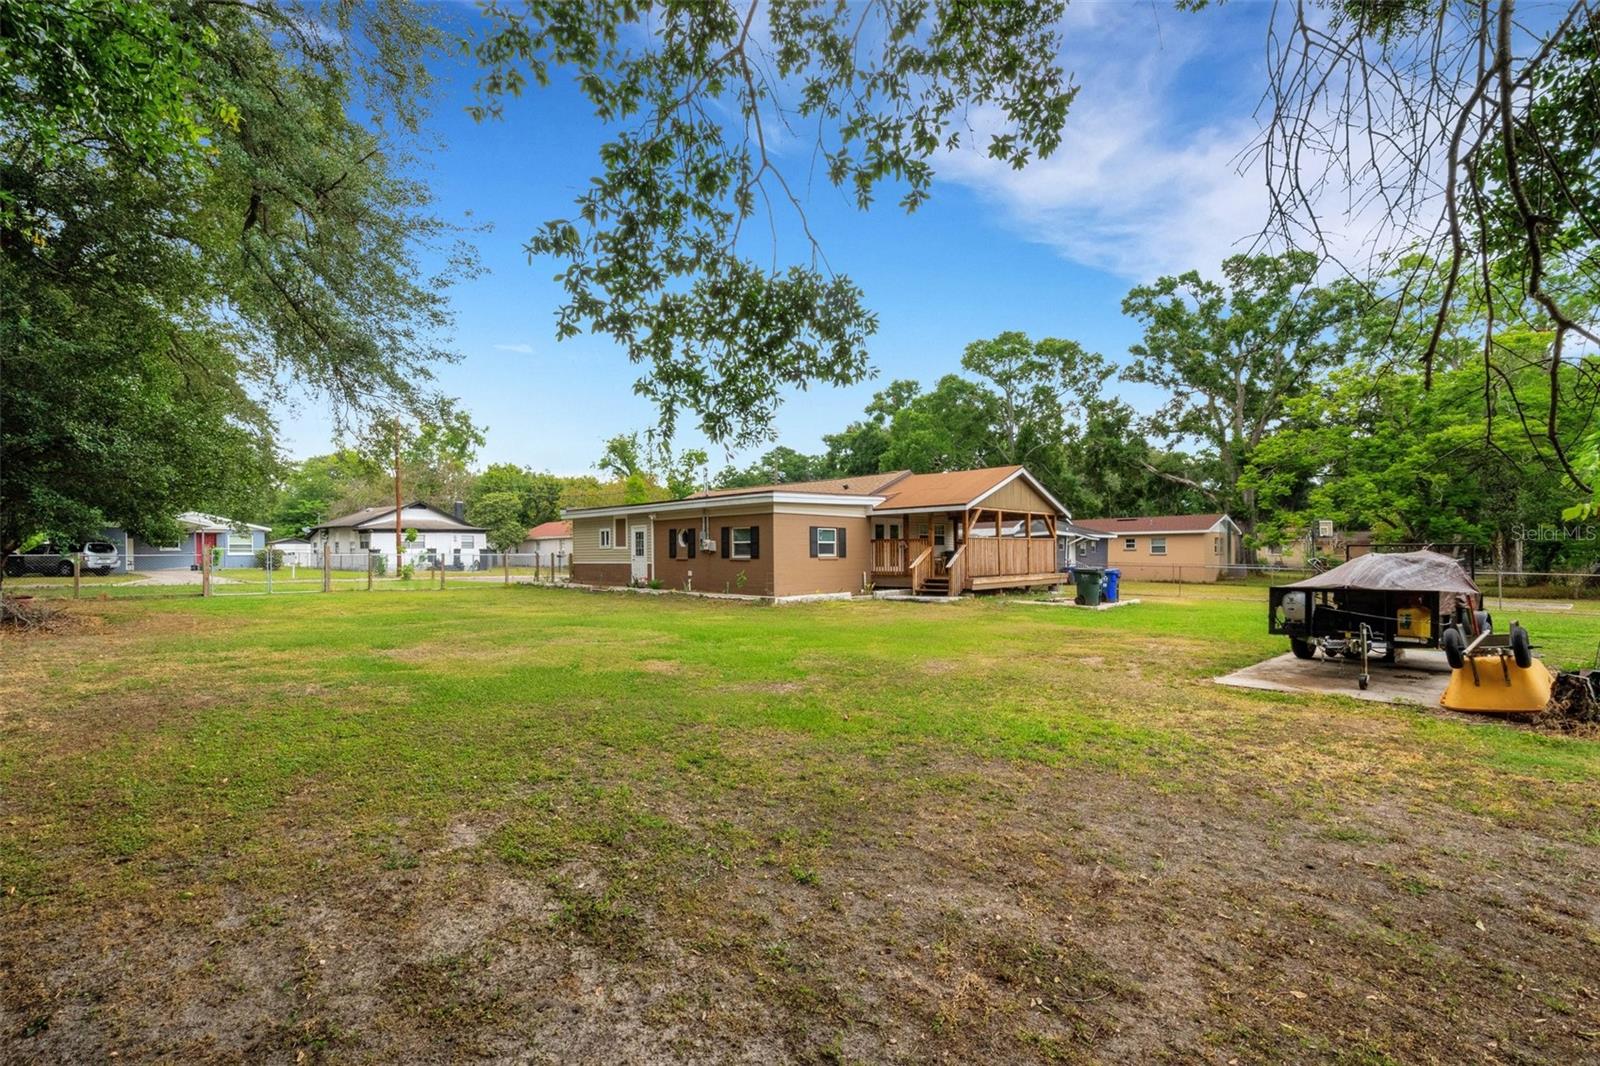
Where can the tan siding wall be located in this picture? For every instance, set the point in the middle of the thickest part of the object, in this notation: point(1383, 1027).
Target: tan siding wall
point(800, 575)
point(586, 542)
point(712, 573)
point(1019, 496)
point(1189, 557)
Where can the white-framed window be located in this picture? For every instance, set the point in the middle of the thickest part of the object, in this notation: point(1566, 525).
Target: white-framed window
point(1129, 544)
point(1158, 545)
point(938, 534)
point(1216, 545)
point(605, 537)
point(169, 547)
point(466, 540)
point(739, 542)
point(240, 544)
point(827, 543)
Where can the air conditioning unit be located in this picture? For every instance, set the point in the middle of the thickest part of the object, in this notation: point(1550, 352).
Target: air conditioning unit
point(1324, 527)
point(708, 545)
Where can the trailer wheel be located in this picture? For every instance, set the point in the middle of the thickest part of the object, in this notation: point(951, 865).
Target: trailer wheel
point(1303, 649)
point(1454, 648)
point(1521, 646)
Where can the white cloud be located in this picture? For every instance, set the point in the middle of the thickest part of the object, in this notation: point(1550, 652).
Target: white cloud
point(1132, 189)
point(520, 349)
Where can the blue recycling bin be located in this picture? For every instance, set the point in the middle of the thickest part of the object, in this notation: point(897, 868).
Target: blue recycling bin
point(1113, 581)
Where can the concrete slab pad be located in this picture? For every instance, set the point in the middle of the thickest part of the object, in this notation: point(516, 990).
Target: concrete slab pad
point(1419, 677)
point(1102, 606)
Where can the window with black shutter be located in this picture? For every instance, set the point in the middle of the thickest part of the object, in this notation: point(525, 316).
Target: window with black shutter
point(826, 541)
point(755, 542)
point(727, 542)
point(672, 544)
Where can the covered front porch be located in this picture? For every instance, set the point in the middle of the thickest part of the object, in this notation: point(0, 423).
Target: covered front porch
point(946, 553)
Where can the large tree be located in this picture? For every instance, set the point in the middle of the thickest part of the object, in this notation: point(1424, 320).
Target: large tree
point(1230, 354)
point(538, 495)
point(1465, 134)
point(691, 246)
point(225, 183)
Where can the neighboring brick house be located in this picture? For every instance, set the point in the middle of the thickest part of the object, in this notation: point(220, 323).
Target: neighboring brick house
point(1193, 547)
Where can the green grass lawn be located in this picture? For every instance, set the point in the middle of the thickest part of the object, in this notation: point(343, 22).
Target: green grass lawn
point(613, 827)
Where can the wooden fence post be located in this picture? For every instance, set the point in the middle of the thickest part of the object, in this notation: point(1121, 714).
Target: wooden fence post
point(205, 565)
point(327, 568)
point(369, 571)
point(77, 574)
point(505, 564)
point(441, 571)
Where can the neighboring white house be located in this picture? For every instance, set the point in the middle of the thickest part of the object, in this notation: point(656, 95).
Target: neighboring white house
point(371, 531)
point(548, 539)
point(297, 551)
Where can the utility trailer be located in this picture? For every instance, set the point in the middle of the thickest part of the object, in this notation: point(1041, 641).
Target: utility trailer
point(1374, 605)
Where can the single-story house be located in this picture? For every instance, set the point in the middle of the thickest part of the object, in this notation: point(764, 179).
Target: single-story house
point(1079, 546)
point(548, 539)
point(350, 538)
point(1192, 547)
point(238, 543)
point(931, 534)
point(297, 551)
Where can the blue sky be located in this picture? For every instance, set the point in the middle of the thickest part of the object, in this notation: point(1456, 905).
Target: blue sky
point(1145, 183)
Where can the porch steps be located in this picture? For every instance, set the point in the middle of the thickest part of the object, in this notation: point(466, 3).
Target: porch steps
point(936, 586)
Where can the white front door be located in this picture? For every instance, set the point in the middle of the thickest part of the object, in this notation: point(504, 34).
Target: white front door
point(639, 550)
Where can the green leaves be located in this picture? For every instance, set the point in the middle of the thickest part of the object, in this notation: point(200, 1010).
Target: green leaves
point(656, 251)
point(501, 513)
point(197, 176)
point(1230, 354)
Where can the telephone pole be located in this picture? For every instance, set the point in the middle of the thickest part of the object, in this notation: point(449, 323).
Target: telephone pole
point(399, 558)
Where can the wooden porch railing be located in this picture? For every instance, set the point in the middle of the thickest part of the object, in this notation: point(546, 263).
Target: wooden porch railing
point(995, 556)
point(895, 556)
point(955, 568)
point(920, 568)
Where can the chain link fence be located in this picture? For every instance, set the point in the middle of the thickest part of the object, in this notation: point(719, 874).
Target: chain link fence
point(184, 572)
point(1158, 580)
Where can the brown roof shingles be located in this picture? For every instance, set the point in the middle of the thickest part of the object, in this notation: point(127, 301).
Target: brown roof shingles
point(953, 488)
point(1166, 523)
point(863, 485)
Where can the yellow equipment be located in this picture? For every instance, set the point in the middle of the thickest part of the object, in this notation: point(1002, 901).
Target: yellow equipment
point(1495, 674)
point(1415, 622)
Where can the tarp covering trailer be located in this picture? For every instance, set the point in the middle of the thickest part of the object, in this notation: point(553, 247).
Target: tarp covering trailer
point(1376, 604)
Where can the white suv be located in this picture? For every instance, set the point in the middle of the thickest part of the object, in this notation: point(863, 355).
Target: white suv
point(99, 557)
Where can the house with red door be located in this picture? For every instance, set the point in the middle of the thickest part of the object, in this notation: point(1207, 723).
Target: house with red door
point(233, 544)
